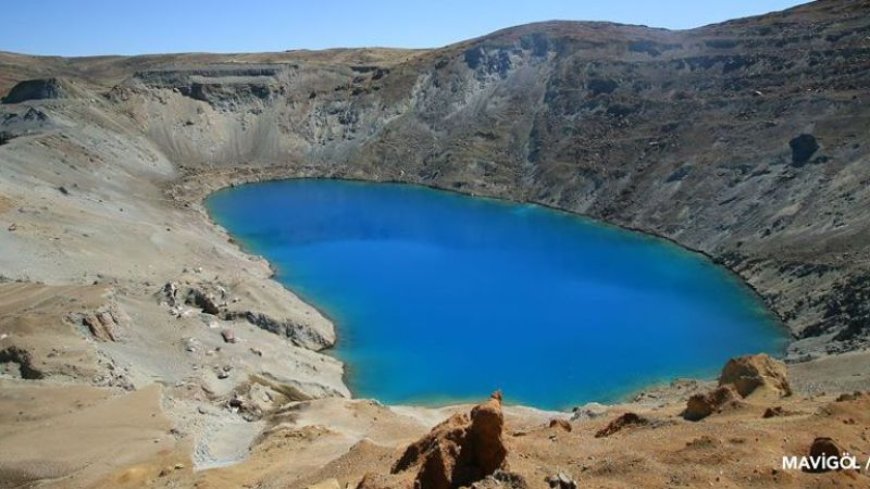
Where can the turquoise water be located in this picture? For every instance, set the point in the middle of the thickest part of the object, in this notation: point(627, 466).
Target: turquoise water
point(439, 297)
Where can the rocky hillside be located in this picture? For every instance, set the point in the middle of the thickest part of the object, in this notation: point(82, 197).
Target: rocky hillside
point(746, 140)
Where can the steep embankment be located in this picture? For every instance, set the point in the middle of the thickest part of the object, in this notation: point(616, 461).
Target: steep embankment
point(744, 140)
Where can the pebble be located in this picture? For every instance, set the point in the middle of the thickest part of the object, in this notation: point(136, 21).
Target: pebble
point(229, 336)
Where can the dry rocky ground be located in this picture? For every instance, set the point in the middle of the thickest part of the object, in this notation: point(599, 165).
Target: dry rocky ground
point(141, 347)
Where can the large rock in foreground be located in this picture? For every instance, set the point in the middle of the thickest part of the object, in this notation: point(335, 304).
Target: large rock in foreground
point(751, 372)
point(463, 449)
point(823, 447)
point(700, 406)
point(741, 377)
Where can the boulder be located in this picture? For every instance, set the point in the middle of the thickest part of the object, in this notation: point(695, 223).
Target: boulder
point(449, 432)
point(774, 412)
point(750, 372)
point(848, 397)
point(700, 406)
point(109, 324)
point(621, 422)
point(228, 335)
point(101, 325)
point(501, 479)
point(561, 423)
point(203, 300)
point(590, 410)
point(27, 364)
point(560, 481)
point(484, 448)
point(823, 447)
point(802, 149)
point(460, 451)
point(169, 294)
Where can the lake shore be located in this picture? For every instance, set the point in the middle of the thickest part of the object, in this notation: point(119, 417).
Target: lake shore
point(401, 266)
point(173, 241)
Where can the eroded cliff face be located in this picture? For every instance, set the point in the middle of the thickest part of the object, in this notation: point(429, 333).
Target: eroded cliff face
point(745, 140)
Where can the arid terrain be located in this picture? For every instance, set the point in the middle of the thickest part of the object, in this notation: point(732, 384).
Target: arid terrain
point(140, 346)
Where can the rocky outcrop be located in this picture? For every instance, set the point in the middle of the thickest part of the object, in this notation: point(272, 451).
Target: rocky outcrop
point(484, 449)
point(168, 294)
point(561, 481)
point(203, 300)
point(101, 325)
point(24, 120)
point(699, 406)
point(776, 412)
point(752, 372)
point(206, 296)
point(850, 396)
point(803, 148)
point(214, 299)
point(40, 89)
point(461, 450)
point(24, 361)
point(299, 334)
point(618, 424)
point(228, 335)
point(589, 410)
point(559, 423)
point(741, 377)
point(225, 87)
point(501, 479)
point(822, 448)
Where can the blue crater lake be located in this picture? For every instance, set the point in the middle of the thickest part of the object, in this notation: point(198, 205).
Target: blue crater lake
point(439, 297)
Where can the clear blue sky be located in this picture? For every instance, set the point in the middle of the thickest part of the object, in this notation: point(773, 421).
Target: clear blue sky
point(88, 27)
